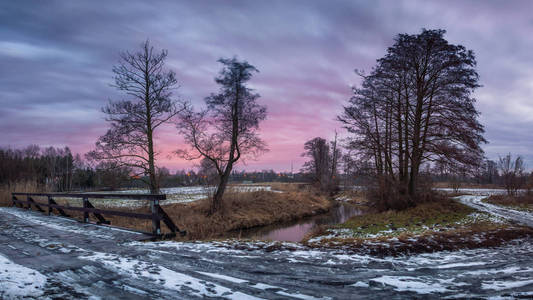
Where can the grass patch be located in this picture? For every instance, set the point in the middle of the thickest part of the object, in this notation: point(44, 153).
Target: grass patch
point(416, 219)
point(522, 202)
point(428, 227)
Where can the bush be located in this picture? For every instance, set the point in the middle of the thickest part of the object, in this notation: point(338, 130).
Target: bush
point(389, 194)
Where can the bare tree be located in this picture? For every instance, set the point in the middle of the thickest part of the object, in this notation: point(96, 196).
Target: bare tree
point(416, 108)
point(323, 162)
point(130, 140)
point(226, 130)
point(512, 172)
point(318, 166)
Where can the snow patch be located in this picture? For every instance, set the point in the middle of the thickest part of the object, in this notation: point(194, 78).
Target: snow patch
point(410, 284)
point(17, 281)
point(168, 278)
point(505, 285)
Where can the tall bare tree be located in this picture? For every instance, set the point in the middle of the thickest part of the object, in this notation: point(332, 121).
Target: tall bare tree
point(129, 142)
point(513, 173)
point(226, 130)
point(414, 108)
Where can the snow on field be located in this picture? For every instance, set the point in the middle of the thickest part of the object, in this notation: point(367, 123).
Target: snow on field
point(181, 194)
point(194, 190)
point(17, 281)
point(476, 192)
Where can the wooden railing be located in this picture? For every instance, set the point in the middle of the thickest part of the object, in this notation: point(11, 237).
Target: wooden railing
point(157, 213)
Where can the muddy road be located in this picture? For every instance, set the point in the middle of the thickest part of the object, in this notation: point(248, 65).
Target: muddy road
point(45, 257)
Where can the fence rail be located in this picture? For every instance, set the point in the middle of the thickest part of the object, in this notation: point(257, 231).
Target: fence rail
point(157, 213)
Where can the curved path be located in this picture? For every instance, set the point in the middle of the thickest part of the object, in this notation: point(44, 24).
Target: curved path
point(48, 257)
point(520, 217)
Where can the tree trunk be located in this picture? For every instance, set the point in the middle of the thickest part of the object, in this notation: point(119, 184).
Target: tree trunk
point(216, 203)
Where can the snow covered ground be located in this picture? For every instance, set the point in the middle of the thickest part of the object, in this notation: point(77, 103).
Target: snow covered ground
point(45, 257)
point(19, 281)
point(181, 194)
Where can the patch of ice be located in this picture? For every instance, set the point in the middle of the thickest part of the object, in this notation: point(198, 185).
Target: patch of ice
point(224, 277)
point(505, 285)
point(263, 286)
point(410, 284)
point(510, 270)
point(299, 296)
point(458, 265)
point(48, 222)
point(360, 284)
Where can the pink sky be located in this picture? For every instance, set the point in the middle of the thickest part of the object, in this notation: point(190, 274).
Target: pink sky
point(57, 58)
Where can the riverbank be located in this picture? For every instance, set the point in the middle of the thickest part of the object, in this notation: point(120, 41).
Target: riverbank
point(240, 211)
point(428, 227)
point(246, 210)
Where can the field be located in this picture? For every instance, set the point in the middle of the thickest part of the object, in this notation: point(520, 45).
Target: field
point(442, 225)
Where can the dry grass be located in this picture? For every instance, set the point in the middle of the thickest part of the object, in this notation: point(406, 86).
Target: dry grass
point(245, 210)
point(465, 185)
point(21, 187)
point(522, 202)
point(291, 187)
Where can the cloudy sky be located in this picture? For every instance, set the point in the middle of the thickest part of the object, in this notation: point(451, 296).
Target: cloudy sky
point(56, 59)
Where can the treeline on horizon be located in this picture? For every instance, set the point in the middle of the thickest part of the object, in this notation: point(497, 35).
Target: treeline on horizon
point(59, 170)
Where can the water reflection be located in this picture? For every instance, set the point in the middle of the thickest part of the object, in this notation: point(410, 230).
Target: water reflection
point(295, 231)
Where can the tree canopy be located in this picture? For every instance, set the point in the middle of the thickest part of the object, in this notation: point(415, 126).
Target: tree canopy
point(416, 107)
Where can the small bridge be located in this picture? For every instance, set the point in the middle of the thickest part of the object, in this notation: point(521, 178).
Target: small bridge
point(157, 213)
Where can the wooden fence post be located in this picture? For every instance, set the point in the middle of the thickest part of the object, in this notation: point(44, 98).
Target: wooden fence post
point(13, 198)
point(85, 214)
point(156, 225)
point(49, 203)
point(28, 201)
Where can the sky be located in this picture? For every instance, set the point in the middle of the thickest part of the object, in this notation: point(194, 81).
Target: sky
point(56, 59)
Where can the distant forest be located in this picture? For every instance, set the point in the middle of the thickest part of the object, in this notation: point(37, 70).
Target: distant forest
point(58, 169)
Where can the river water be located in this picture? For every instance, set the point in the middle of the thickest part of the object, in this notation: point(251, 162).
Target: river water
point(295, 231)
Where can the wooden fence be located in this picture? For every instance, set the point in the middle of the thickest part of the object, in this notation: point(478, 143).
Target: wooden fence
point(157, 213)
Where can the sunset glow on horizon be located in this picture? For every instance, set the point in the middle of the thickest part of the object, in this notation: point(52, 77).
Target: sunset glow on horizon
point(55, 77)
